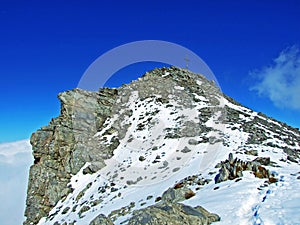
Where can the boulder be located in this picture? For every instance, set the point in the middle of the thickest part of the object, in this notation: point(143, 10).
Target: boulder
point(172, 214)
point(233, 168)
point(101, 220)
point(177, 195)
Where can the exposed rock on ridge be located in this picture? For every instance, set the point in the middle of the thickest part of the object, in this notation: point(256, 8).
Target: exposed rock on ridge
point(64, 146)
point(173, 214)
point(170, 212)
point(233, 168)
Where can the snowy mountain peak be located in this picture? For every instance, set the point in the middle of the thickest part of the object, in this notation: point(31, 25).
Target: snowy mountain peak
point(161, 146)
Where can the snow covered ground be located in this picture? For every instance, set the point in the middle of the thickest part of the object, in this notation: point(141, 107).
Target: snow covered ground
point(129, 182)
point(250, 202)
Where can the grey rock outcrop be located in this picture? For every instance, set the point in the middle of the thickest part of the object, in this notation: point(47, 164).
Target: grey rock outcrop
point(101, 220)
point(177, 194)
point(172, 214)
point(232, 168)
point(62, 148)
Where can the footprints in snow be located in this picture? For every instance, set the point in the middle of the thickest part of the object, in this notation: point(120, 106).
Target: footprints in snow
point(257, 220)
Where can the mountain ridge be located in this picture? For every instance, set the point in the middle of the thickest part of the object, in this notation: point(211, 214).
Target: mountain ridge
point(168, 125)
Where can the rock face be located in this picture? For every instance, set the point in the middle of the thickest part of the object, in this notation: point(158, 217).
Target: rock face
point(106, 157)
point(64, 146)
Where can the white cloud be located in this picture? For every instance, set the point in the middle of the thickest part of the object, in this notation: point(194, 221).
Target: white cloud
point(15, 153)
point(15, 160)
point(280, 82)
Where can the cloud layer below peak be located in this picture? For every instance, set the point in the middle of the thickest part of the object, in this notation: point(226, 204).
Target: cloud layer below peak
point(15, 160)
point(15, 153)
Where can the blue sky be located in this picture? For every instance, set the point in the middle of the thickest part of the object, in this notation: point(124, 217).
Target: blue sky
point(251, 46)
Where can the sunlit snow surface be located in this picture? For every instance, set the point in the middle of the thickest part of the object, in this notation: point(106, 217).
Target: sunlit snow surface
point(243, 203)
point(126, 179)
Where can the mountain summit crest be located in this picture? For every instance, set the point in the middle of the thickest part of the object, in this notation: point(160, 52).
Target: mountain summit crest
point(154, 150)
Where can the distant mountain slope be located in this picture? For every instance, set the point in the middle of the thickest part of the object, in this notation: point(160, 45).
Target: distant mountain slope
point(155, 150)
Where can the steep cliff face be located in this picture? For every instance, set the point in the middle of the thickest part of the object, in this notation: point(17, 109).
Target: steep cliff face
point(152, 151)
point(62, 148)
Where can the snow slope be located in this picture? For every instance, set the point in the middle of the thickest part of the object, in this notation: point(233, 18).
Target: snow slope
point(147, 162)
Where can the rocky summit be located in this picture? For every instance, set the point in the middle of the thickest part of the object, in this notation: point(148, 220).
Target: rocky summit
point(169, 148)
